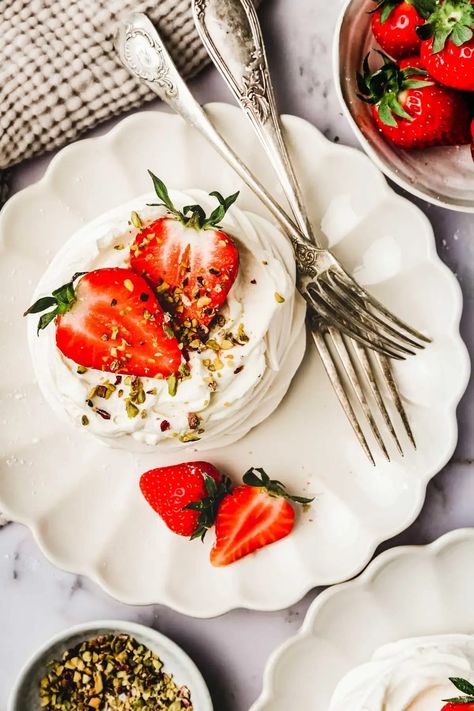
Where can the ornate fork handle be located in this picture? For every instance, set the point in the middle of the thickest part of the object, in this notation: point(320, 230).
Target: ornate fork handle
point(232, 35)
point(142, 51)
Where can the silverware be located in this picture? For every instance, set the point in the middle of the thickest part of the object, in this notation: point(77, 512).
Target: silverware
point(325, 285)
point(230, 31)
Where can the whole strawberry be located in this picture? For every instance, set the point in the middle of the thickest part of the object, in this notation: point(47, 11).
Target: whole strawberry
point(411, 110)
point(253, 515)
point(394, 25)
point(447, 49)
point(186, 496)
point(110, 320)
point(189, 258)
point(461, 703)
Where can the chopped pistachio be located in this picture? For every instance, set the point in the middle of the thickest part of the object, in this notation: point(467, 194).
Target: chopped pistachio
point(172, 381)
point(84, 420)
point(136, 221)
point(81, 370)
point(279, 298)
point(168, 331)
point(132, 410)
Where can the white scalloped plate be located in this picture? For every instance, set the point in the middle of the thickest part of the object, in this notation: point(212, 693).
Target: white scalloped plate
point(82, 501)
point(408, 591)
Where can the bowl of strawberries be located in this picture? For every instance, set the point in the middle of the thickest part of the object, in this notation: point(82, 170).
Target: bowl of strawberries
point(404, 73)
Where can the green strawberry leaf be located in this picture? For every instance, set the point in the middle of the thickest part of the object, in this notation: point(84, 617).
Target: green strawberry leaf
point(385, 113)
point(423, 7)
point(465, 686)
point(388, 8)
point(397, 108)
point(452, 19)
point(162, 191)
point(193, 216)
point(41, 305)
point(439, 39)
point(461, 34)
point(219, 213)
point(63, 298)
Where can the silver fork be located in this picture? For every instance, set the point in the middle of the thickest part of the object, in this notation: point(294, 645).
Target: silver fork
point(327, 287)
point(231, 33)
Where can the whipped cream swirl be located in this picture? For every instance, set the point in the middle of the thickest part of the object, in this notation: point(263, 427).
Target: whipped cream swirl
point(408, 675)
point(251, 378)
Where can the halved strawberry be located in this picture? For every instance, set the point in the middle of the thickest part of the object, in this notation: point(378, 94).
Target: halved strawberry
point(110, 320)
point(254, 515)
point(461, 703)
point(191, 261)
point(186, 496)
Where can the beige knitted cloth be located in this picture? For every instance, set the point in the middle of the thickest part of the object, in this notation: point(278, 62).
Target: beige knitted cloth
point(59, 74)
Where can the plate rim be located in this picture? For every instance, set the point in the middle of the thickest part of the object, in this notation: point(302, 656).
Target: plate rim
point(197, 611)
point(375, 568)
point(364, 143)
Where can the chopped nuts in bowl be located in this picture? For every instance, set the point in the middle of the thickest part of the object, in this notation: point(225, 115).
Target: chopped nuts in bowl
point(110, 666)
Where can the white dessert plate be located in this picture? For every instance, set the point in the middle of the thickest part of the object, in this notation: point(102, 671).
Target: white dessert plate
point(405, 592)
point(82, 500)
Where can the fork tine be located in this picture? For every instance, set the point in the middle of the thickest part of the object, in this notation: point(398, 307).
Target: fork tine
point(348, 364)
point(358, 316)
point(349, 282)
point(392, 386)
point(338, 386)
point(369, 373)
point(353, 330)
point(347, 296)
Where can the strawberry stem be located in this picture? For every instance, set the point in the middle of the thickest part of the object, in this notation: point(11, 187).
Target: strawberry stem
point(452, 19)
point(193, 216)
point(273, 486)
point(62, 299)
point(467, 689)
point(208, 505)
point(384, 86)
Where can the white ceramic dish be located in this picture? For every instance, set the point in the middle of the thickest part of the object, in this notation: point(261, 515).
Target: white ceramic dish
point(82, 500)
point(405, 592)
point(24, 696)
point(444, 176)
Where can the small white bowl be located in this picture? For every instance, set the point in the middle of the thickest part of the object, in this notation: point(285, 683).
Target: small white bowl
point(443, 176)
point(25, 696)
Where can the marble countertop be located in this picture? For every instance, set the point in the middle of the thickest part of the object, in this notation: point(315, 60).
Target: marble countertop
point(37, 600)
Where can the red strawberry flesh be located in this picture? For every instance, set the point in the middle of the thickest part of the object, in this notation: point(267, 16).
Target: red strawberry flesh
point(198, 265)
point(248, 519)
point(110, 320)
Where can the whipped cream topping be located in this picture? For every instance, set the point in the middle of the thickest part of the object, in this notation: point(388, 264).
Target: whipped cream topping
point(408, 675)
point(250, 378)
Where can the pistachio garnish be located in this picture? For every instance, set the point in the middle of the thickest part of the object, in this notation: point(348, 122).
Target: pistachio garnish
point(279, 298)
point(172, 381)
point(136, 221)
point(111, 673)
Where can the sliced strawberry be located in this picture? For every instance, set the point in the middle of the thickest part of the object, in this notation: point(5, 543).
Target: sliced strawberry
point(464, 702)
point(410, 109)
point(191, 261)
point(254, 515)
point(111, 320)
point(186, 496)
